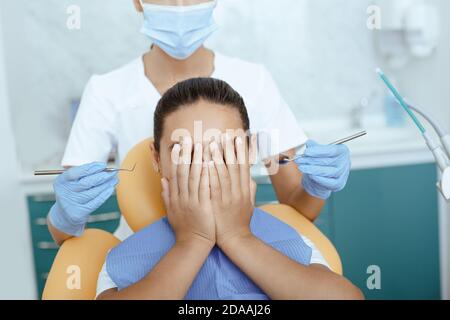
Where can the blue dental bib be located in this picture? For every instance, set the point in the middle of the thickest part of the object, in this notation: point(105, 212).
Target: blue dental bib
point(219, 278)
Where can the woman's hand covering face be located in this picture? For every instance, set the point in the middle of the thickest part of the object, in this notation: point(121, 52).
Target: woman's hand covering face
point(232, 190)
point(209, 194)
point(186, 194)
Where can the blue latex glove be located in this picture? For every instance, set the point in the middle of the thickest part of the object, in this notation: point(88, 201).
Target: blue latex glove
point(325, 169)
point(79, 192)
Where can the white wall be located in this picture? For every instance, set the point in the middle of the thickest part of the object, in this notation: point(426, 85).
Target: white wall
point(426, 82)
point(16, 273)
point(319, 51)
point(48, 65)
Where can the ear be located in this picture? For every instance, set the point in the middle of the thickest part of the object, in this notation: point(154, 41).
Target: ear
point(155, 157)
point(138, 5)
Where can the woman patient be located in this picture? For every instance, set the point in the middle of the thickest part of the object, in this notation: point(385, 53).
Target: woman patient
point(214, 244)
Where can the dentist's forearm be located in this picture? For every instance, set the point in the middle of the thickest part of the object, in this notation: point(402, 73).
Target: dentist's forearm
point(57, 235)
point(307, 205)
point(172, 276)
point(290, 191)
point(287, 183)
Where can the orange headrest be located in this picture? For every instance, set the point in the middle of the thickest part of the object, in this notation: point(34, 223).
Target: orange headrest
point(141, 204)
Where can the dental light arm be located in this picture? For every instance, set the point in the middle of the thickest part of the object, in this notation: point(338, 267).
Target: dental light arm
point(443, 164)
point(442, 158)
point(442, 132)
point(444, 184)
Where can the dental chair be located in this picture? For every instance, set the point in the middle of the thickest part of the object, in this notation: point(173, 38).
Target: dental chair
point(76, 267)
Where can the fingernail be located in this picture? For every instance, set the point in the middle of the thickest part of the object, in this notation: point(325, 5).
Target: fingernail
point(239, 140)
point(187, 140)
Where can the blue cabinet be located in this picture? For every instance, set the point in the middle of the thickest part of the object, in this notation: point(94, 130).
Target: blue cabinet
point(388, 218)
point(44, 248)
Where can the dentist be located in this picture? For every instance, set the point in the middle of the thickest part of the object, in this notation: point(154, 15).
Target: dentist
point(117, 108)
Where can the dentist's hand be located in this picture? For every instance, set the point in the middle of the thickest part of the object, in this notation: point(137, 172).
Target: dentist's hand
point(325, 169)
point(79, 192)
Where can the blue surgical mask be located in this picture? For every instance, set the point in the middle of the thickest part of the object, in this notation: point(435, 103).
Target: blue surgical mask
point(179, 30)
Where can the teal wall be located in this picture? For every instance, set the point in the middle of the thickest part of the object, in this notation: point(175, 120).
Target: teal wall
point(389, 218)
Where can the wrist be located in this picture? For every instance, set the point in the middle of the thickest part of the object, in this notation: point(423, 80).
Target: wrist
point(231, 239)
point(61, 222)
point(194, 240)
point(315, 190)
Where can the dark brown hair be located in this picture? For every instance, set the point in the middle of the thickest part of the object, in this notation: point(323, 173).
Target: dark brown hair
point(188, 92)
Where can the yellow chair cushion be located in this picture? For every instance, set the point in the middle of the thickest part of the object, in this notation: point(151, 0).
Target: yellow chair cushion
point(139, 193)
point(76, 267)
point(304, 227)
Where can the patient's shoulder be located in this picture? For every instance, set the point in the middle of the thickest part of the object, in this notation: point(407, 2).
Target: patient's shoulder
point(131, 260)
point(270, 228)
point(158, 236)
point(280, 236)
